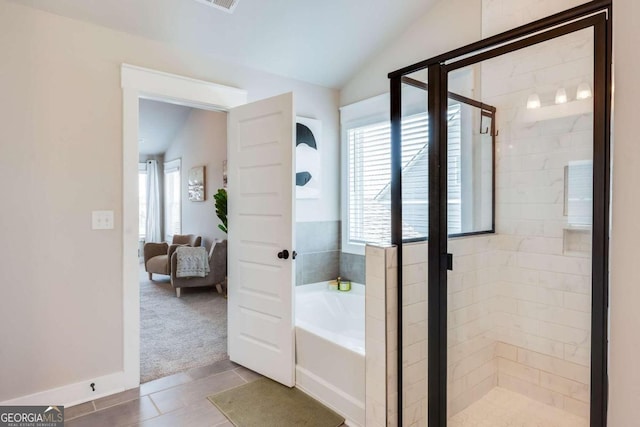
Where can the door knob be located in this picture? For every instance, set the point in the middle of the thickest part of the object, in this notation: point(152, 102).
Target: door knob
point(284, 254)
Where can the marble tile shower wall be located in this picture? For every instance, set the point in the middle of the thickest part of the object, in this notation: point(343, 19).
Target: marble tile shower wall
point(380, 276)
point(382, 334)
point(382, 270)
point(472, 364)
point(542, 298)
point(319, 259)
point(414, 332)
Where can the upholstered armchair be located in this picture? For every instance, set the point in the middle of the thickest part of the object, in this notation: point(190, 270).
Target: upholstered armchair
point(217, 270)
point(157, 256)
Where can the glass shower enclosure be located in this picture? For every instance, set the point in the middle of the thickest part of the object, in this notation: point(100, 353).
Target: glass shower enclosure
point(500, 212)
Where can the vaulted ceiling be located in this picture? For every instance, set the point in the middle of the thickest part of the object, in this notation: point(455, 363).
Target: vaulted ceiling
point(318, 41)
point(159, 124)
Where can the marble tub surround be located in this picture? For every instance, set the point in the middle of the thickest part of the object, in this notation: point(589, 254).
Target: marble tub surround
point(318, 236)
point(320, 258)
point(317, 267)
point(352, 267)
point(318, 248)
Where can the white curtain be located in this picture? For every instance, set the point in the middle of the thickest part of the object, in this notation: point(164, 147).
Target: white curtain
point(153, 232)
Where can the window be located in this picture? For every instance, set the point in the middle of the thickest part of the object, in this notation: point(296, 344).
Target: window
point(142, 200)
point(172, 199)
point(579, 193)
point(368, 200)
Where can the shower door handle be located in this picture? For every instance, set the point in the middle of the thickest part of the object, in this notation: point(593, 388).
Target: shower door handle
point(284, 254)
point(449, 262)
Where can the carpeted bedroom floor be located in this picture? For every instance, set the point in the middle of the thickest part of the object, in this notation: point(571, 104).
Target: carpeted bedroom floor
point(177, 334)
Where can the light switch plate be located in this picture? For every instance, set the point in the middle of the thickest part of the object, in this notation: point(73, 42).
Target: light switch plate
point(102, 220)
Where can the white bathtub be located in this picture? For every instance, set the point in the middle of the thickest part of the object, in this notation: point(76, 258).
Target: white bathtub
point(330, 348)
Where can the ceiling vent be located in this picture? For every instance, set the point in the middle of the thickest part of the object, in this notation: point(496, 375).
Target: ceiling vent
point(226, 5)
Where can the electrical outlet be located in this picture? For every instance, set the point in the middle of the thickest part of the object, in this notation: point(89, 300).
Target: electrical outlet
point(102, 220)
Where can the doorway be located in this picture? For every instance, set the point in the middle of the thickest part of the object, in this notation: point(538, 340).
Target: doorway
point(260, 149)
point(183, 322)
point(137, 84)
point(517, 237)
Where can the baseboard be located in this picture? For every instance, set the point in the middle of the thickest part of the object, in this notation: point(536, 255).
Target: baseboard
point(352, 409)
point(74, 394)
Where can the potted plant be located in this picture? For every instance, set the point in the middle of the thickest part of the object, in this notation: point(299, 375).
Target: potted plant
point(221, 208)
point(221, 211)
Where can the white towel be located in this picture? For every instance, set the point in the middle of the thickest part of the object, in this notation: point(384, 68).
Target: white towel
point(192, 262)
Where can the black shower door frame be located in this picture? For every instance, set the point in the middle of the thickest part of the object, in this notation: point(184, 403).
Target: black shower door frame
point(596, 15)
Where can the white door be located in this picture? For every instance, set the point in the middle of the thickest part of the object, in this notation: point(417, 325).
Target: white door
point(261, 219)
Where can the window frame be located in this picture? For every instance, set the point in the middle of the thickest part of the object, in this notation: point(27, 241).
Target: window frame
point(376, 110)
point(359, 114)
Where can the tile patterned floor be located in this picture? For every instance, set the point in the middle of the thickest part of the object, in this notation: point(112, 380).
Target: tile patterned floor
point(177, 400)
point(181, 400)
point(504, 408)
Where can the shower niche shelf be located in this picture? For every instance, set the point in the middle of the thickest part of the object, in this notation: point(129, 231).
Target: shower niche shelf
point(559, 111)
point(577, 241)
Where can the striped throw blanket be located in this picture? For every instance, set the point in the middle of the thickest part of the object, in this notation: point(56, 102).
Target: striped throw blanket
point(192, 262)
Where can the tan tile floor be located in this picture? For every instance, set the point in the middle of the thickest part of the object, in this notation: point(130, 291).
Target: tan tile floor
point(504, 408)
point(176, 400)
point(181, 400)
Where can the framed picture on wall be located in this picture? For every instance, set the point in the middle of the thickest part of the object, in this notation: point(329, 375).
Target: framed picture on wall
point(196, 184)
point(308, 158)
point(224, 174)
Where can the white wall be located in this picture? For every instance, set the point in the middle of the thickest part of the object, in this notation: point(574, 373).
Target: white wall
point(60, 158)
point(447, 25)
point(624, 375)
point(503, 15)
point(202, 141)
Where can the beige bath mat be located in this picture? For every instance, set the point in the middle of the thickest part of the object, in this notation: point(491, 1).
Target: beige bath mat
point(265, 403)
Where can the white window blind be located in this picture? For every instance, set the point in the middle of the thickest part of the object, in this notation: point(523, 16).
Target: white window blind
point(369, 175)
point(454, 170)
point(172, 205)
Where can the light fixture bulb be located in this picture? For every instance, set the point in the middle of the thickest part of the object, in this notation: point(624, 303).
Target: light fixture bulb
point(533, 101)
point(584, 91)
point(561, 96)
